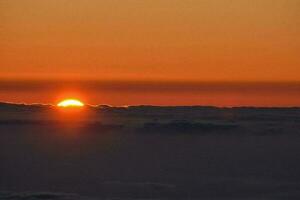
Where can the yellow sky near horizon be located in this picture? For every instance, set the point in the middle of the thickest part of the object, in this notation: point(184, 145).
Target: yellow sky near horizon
point(202, 40)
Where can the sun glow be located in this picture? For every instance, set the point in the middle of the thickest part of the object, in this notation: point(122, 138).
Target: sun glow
point(70, 103)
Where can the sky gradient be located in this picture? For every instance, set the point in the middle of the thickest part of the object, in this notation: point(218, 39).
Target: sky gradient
point(159, 52)
point(204, 40)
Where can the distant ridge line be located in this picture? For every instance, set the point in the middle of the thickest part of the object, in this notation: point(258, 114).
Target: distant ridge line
point(104, 106)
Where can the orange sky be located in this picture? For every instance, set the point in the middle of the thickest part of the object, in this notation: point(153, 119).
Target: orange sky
point(200, 40)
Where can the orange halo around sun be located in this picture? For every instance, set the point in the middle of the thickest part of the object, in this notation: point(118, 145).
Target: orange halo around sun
point(70, 103)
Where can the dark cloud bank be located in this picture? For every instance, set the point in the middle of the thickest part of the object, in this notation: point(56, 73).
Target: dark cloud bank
point(149, 152)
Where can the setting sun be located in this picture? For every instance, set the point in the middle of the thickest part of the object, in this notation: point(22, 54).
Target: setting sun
point(70, 103)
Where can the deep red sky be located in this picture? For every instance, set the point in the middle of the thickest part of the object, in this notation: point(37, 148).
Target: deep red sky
point(160, 40)
point(119, 93)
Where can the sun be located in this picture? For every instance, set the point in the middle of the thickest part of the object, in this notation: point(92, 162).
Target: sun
point(70, 103)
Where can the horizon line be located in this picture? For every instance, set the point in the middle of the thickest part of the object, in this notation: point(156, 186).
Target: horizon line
point(149, 105)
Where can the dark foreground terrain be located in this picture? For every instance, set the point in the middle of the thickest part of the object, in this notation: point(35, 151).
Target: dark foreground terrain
point(147, 152)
